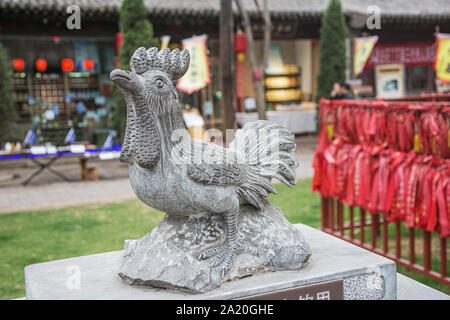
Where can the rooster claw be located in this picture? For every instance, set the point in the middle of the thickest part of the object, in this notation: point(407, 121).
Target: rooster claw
point(210, 252)
point(224, 262)
point(224, 272)
point(223, 256)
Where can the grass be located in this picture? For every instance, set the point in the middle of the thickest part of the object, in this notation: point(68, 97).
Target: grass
point(37, 236)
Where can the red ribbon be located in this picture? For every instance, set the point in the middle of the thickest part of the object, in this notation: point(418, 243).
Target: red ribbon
point(369, 160)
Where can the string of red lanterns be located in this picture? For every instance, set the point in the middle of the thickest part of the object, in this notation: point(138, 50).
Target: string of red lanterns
point(240, 42)
point(19, 64)
point(88, 64)
point(67, 65)
point(41, 64)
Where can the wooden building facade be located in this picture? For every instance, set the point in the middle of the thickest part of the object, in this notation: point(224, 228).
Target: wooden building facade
point(32, 30)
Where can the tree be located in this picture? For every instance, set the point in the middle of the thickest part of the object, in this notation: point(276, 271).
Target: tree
point(333, 32)
point(257, 71)
point(137, 31)
point(7, 108)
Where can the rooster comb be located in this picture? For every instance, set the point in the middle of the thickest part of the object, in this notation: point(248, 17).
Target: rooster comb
point(174, 63)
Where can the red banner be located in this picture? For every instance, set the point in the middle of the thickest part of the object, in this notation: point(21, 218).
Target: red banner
point(387, 158)
point(240, 86)
point(408, 54)
point(119, 40)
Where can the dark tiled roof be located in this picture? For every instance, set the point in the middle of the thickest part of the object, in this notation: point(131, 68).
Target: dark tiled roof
point(421, 9)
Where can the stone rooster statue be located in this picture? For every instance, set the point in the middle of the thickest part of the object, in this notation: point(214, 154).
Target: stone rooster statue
point(214, 197)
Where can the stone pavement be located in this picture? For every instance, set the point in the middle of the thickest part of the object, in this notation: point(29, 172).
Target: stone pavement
point(61, 194)
point(49, 191)
point(305, 152)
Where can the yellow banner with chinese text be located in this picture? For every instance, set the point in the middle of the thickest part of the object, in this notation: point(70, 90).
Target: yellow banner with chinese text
point(197, 76)
point(442, 58)
point(362, 49)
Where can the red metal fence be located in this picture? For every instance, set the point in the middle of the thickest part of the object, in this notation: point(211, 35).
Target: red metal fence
point(383, 171)
point(374, 232)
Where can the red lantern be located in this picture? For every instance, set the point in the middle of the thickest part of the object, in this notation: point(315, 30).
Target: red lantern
point(67, 65)
point(240, 42)
point(89, 64)
point(41, 65)
point(119, 40)
point(18, 64)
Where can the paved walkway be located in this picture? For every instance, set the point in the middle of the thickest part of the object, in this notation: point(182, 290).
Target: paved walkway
point(61, 194)
point(47, 191)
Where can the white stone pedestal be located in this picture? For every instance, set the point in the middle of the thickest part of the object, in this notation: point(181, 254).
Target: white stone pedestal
point(364, 275)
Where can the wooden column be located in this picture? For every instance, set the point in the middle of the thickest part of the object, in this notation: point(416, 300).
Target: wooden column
point(227, 67)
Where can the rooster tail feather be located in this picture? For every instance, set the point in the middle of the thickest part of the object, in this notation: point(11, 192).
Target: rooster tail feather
point(269, 151)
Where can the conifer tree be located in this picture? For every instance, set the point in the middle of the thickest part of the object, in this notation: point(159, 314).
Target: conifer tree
point(333, 33)
point(137, 31)
point(8, 114)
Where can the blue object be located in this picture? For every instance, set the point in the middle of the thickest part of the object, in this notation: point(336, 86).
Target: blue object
point(31, 100)
point(102, 112)
point(29, 138)
point(70, 138)
point(81, 108)
point(60, 153)
point(55, 109)
point(100, 100)
point(108, 144)
point(208, 108)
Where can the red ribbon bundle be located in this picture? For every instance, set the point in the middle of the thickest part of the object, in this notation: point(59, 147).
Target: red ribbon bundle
point(391, 159)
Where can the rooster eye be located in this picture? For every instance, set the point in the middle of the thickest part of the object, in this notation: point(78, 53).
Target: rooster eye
point(159, 83)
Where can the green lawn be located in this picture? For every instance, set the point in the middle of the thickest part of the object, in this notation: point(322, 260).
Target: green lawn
point(45, 235)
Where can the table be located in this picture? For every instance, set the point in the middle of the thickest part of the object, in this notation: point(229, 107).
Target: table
point(42, 166)
point(296, 121)
point(53, 156)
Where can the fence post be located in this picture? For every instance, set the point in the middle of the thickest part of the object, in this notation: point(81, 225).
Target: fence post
point(324, 211)
point(443, 257)
point(340, 209)
point(385, 235)
point(427, 250)
point(412, 244)
point(362, 235)
point(374, 229)
point(352, 232)
point(398, 240)
point(331, 214)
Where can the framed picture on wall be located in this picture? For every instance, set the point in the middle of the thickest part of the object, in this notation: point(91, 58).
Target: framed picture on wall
point(390, 81)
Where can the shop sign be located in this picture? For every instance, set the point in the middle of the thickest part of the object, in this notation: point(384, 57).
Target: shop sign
point(390, 81)
point(407, 54)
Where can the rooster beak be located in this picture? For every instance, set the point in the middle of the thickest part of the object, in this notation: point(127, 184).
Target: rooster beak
point(125, 80)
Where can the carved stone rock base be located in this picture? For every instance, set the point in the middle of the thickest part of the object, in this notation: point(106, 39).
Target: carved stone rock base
point(166, 256)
